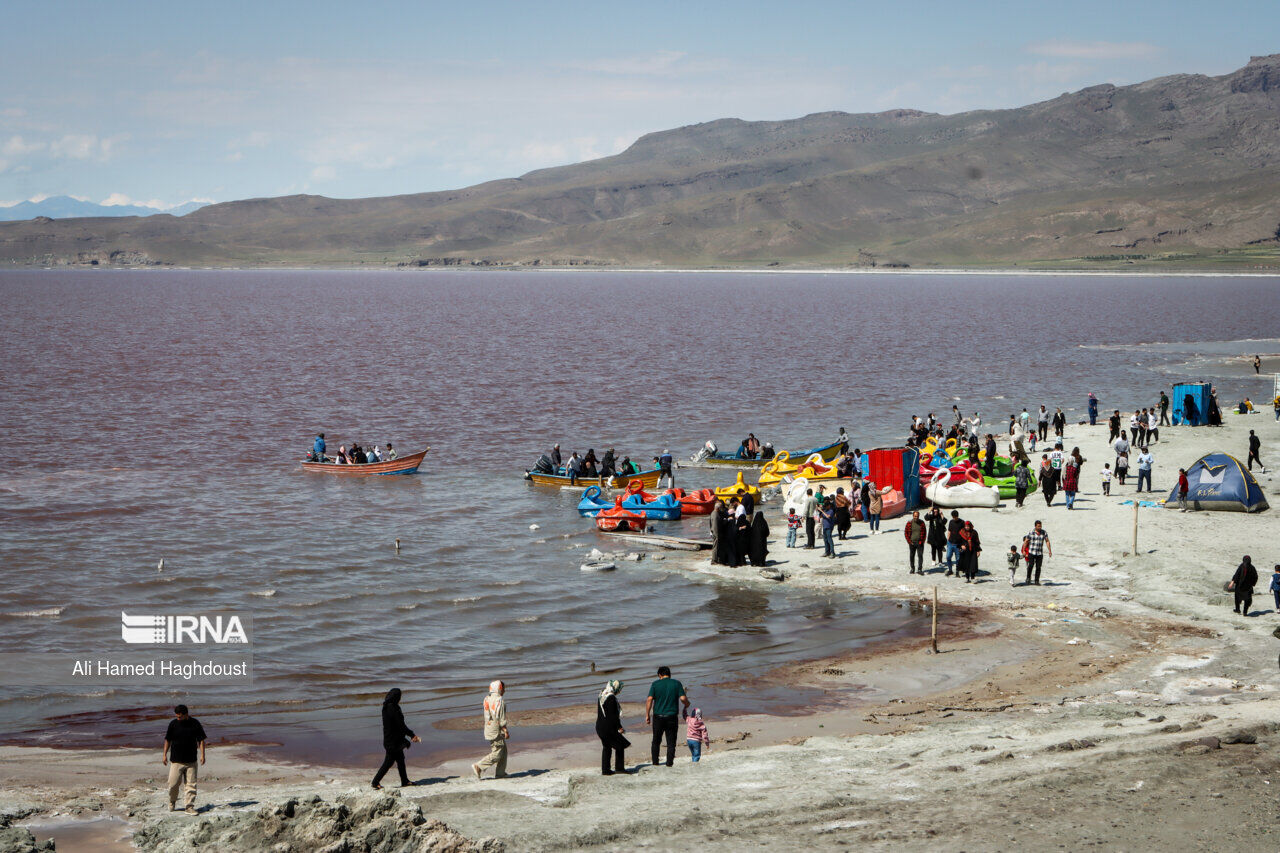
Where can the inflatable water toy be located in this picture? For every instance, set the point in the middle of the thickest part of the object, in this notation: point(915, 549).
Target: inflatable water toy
point(972, 493)
point(598, 567)
point(662, 508)
point(617, 518)
point(591, 503)
point(813, 468)
point(701, 502)
point(1008, 487)
point(724, 493)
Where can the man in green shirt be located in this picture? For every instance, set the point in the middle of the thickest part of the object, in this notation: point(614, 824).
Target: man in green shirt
point(661, 708)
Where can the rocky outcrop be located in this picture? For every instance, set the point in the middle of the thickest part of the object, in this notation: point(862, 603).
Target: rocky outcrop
point(1262, 74)
point(352, 824)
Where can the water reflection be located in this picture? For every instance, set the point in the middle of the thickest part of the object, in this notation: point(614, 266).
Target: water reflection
point(737, 610)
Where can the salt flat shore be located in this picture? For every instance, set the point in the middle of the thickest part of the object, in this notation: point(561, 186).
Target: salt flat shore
point(1121, 705)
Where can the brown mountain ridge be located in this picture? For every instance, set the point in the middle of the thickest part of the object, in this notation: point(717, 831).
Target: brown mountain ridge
point(1180, 169)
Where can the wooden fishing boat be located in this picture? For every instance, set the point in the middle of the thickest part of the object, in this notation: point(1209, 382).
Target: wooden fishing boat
point(403, 465)
point(648, 479)
point(828, 453)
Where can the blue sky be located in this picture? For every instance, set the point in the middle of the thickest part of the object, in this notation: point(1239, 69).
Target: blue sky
point(160, 103)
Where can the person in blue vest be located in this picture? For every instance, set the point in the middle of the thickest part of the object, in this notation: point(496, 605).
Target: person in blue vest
point(318, 447)
point(665, 464)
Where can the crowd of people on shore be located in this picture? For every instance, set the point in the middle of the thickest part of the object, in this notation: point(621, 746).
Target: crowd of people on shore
point(739, 534)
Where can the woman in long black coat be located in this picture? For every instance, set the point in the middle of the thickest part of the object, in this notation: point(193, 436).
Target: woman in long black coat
point(396, 736)
point(937, 534)
point(742, 528)
point(759, 552)
point(610, 731)
point(719, 536)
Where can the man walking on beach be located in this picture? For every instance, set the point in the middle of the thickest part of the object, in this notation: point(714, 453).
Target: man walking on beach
point(185, 734)
point(810, 506)
point(1037, 545)
point(1255, 446)
point(495, 731)
point(954, 527)
point(1021, 481)
point(665, 696)
point(915, 532)
point(1144, 468)
point(1164, 410)
point(1113, 423)
point(1042, 423)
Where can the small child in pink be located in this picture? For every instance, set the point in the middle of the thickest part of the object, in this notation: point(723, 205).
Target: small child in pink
point(696, 733)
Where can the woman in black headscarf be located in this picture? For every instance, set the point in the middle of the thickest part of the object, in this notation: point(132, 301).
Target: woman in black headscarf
point(937, 534)
point(759, 552)
point(719, 536)
point(396, 737)
point(610, 731)
point(742, 541)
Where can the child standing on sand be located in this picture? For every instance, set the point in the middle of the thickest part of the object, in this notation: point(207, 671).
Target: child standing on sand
point(696, 733)
point(793, 527)
point(1014, 559)
point(1275, 586)
point(1106, 479)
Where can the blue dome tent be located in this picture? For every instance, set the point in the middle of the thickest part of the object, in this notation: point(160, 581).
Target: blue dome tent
point(1217, 481)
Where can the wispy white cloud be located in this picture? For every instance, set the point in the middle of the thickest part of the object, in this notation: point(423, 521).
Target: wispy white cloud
point(85, 146)
point(1094, 49)
point(659, 63)
point(121, 199)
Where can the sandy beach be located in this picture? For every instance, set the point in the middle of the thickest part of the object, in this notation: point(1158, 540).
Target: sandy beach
point(1120, 705)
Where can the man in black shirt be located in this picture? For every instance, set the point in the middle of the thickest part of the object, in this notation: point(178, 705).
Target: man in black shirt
point(180, 742)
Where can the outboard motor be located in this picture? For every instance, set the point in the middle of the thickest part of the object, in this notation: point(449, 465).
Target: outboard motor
point(544, 466)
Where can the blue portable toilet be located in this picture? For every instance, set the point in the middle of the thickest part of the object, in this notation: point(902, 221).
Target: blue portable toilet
point(1199, 397)
point(1217, 481)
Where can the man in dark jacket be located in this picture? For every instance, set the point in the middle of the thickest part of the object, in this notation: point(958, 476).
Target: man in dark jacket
point(915, 532)
point(396, 737)
point(989, 463)
point(1242, 584)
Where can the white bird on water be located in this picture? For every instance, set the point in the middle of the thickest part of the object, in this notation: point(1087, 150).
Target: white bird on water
point(160, 568)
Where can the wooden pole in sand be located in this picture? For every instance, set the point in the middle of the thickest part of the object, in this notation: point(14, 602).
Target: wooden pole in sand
point(1135, 527)
point(935, 620)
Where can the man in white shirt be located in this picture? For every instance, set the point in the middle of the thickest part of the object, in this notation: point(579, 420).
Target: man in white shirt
point(1144, 468)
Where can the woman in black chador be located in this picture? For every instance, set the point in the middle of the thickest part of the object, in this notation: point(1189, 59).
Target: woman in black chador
point(396, 737)
point(742, 541)
point(759, 552)
point(610, 731)
point(719, 536)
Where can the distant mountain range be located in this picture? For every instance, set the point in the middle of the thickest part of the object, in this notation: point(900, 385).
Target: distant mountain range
point(1181, 170)
point(66, 207)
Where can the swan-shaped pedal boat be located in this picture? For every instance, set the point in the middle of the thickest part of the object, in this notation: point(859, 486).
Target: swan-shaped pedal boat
point(972, 493)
